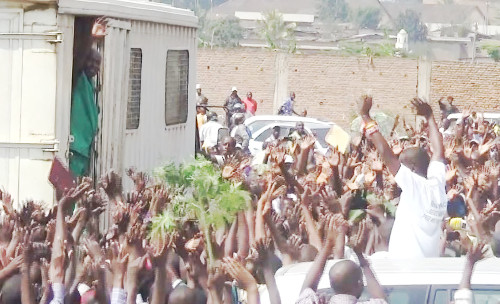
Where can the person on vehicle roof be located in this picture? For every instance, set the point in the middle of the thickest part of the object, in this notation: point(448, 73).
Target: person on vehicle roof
point(287, 107)
point(422, 206)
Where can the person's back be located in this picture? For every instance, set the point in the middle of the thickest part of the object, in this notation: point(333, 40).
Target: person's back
point(422, 205)
point(421, 208)
point(209, 133)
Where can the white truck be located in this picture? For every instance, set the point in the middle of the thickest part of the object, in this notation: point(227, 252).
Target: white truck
point(145, 94)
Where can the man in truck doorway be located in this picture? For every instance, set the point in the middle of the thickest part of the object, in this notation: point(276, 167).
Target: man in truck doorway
point(84, 116)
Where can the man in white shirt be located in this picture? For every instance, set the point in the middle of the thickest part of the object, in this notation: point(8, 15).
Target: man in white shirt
point(209, 132)
point(422, 205)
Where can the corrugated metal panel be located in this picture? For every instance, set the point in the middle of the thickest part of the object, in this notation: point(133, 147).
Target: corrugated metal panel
point(154, 143)
point(114, 95)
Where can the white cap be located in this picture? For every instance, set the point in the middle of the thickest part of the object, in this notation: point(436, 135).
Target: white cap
point(288, 159)
point(234, 89)
point(83, 288)
point(198, 86)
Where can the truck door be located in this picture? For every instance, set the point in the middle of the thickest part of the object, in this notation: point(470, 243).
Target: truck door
point(27, 101)
point(113, 97)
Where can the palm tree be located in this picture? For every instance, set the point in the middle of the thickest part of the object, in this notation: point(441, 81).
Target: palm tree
point(276, 32)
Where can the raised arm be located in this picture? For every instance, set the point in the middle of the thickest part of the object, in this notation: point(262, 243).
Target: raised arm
point(314, 275)
point(372, 133)
point(435, 137)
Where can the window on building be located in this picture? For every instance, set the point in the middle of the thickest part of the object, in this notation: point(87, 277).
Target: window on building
point(176, 87)
point(134, 89)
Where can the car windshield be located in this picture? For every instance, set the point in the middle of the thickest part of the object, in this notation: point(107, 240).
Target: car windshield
point(320, 135)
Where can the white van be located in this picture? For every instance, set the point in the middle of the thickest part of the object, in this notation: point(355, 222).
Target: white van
point(146, 97)
point(261, 128)
point(419, 281)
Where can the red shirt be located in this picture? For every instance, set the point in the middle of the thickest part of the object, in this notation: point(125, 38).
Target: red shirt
point(250, 105)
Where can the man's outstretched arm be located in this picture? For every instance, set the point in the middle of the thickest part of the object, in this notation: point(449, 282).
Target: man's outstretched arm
point(390, 159)
point(435, 137)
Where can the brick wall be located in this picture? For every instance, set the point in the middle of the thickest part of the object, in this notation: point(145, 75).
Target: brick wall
point(253, 70)
point(471, 85)
point(328, 85)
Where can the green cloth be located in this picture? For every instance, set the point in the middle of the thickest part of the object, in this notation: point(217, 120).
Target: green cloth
point(83, 125)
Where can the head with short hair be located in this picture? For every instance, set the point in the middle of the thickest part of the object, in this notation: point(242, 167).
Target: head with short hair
point(416, 159)
point(182, 295)
point(299, 126)
point(249, 95)
point(93, 63)
point(276, 131)
point(292, 95)
point(239, 119)
point(11, 290)
point(346, 277)
point(307, 253)
point(212, 116)
point(228, 144)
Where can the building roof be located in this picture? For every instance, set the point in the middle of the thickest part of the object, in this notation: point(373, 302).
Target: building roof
point(229, 7)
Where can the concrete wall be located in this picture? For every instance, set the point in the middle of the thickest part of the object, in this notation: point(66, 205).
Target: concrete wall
point(328, 85)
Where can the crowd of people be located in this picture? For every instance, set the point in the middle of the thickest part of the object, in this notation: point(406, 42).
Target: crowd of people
point(394, 197)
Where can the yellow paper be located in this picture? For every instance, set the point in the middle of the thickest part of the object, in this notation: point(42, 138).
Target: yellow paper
point(338, 138)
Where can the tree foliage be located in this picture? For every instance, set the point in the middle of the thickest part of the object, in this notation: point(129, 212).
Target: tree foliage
point(411, 22)
point(219, 32)
point(368, 17)
point(492, 48)
point(330, 11)
point(200, 195)
point(276, 32)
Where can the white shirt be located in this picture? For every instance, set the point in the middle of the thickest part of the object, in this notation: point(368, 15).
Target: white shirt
point(209, 134)
point(417, 228)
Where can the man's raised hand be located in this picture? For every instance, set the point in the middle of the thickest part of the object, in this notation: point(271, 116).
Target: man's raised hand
point(365, 105)
point(422, 107)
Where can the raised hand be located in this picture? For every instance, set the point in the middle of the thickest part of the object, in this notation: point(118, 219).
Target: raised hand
point(264, 250)
point(112, 184)
point(118, 265)
point(236, 270)
point(7, 203)
point(422, 107)
point(365, 105)
point(358, 242)
point(71, 195)
point(307, 142)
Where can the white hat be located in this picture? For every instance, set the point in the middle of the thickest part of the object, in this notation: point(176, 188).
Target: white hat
point(198, 86)
point(234, 89)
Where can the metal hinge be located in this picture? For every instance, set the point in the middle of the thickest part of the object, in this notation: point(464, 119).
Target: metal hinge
point(51, 37)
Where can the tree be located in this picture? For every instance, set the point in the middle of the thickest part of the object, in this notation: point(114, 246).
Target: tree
point(492, 48)
point(220, 32)
point(200, 196)
point(276, 33)
point(410, 21)
point(368, 17)
point(331, 11)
